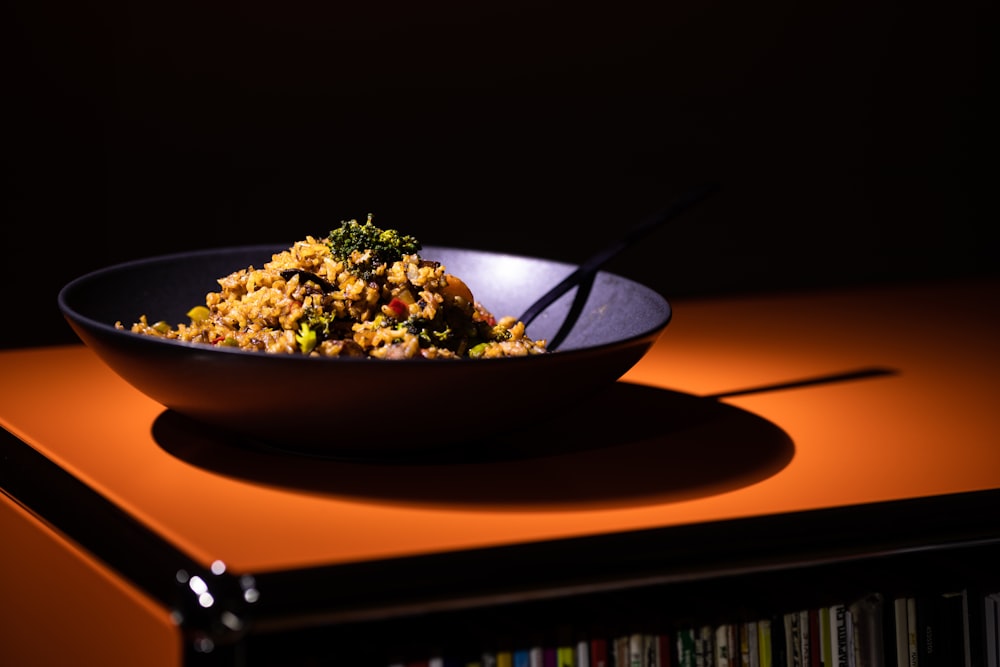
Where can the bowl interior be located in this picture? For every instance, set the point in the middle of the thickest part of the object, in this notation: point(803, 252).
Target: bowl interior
point(165, 288)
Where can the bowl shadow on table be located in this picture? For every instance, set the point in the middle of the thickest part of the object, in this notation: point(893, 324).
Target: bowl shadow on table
point(626, 445)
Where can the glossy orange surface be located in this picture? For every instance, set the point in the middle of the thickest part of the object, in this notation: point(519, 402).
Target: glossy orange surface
point(58, 605)
point(701, 429)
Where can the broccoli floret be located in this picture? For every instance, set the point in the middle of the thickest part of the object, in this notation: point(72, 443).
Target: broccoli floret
point(306, 338)
point(323, 324)
point(461, 338)
point(384, 246)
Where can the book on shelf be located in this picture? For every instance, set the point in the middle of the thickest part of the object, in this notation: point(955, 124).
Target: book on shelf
point(825, 636)
point(779, 645)
point(686, 647)
point(792, 634)
point(815, 640)
point(805, 640)
point(726, 646)
point(656, 650)
point(598, 647)
point(912, 644)
point(532, 655)
point(991, 628)
point(636, 650)
point(621, 651)
point(949, 642)
point(929, 630)
point(868, 624)
point(840, 649)
point(854, 646)
point(445, 661)
point(566, 655)
point(902, 634)
point(562, 653)
point(704, 646)
point(749, 644)
point(976, 634)
point(793, 639)
point(522, 658)
point(765, 654)
point(743, 643)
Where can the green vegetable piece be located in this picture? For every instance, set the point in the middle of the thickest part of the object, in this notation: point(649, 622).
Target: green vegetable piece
point(161, 327)
point(199, 314)
point(383, 245)
point(306, 338)
point(477, 351)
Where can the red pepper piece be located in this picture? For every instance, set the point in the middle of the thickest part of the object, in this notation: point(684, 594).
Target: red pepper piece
point(398, 307)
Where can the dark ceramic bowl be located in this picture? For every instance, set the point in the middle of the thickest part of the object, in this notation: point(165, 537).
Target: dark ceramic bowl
point(361, 406)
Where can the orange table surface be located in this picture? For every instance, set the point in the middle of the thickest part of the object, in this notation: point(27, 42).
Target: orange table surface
point(744, 407)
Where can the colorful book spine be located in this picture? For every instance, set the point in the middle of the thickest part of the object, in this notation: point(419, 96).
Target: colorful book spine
point(566, 655)
point(664, 650)
point(764, 654)
point(815, 639)
point(599, 652)
point(686, 647)
point(825, 637)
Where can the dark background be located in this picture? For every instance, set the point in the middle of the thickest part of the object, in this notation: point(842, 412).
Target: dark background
point(853, 141)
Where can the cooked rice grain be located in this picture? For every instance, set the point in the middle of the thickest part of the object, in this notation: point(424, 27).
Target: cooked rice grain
point(408, 309)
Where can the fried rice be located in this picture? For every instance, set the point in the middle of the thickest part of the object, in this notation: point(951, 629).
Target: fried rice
point(307, 301)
